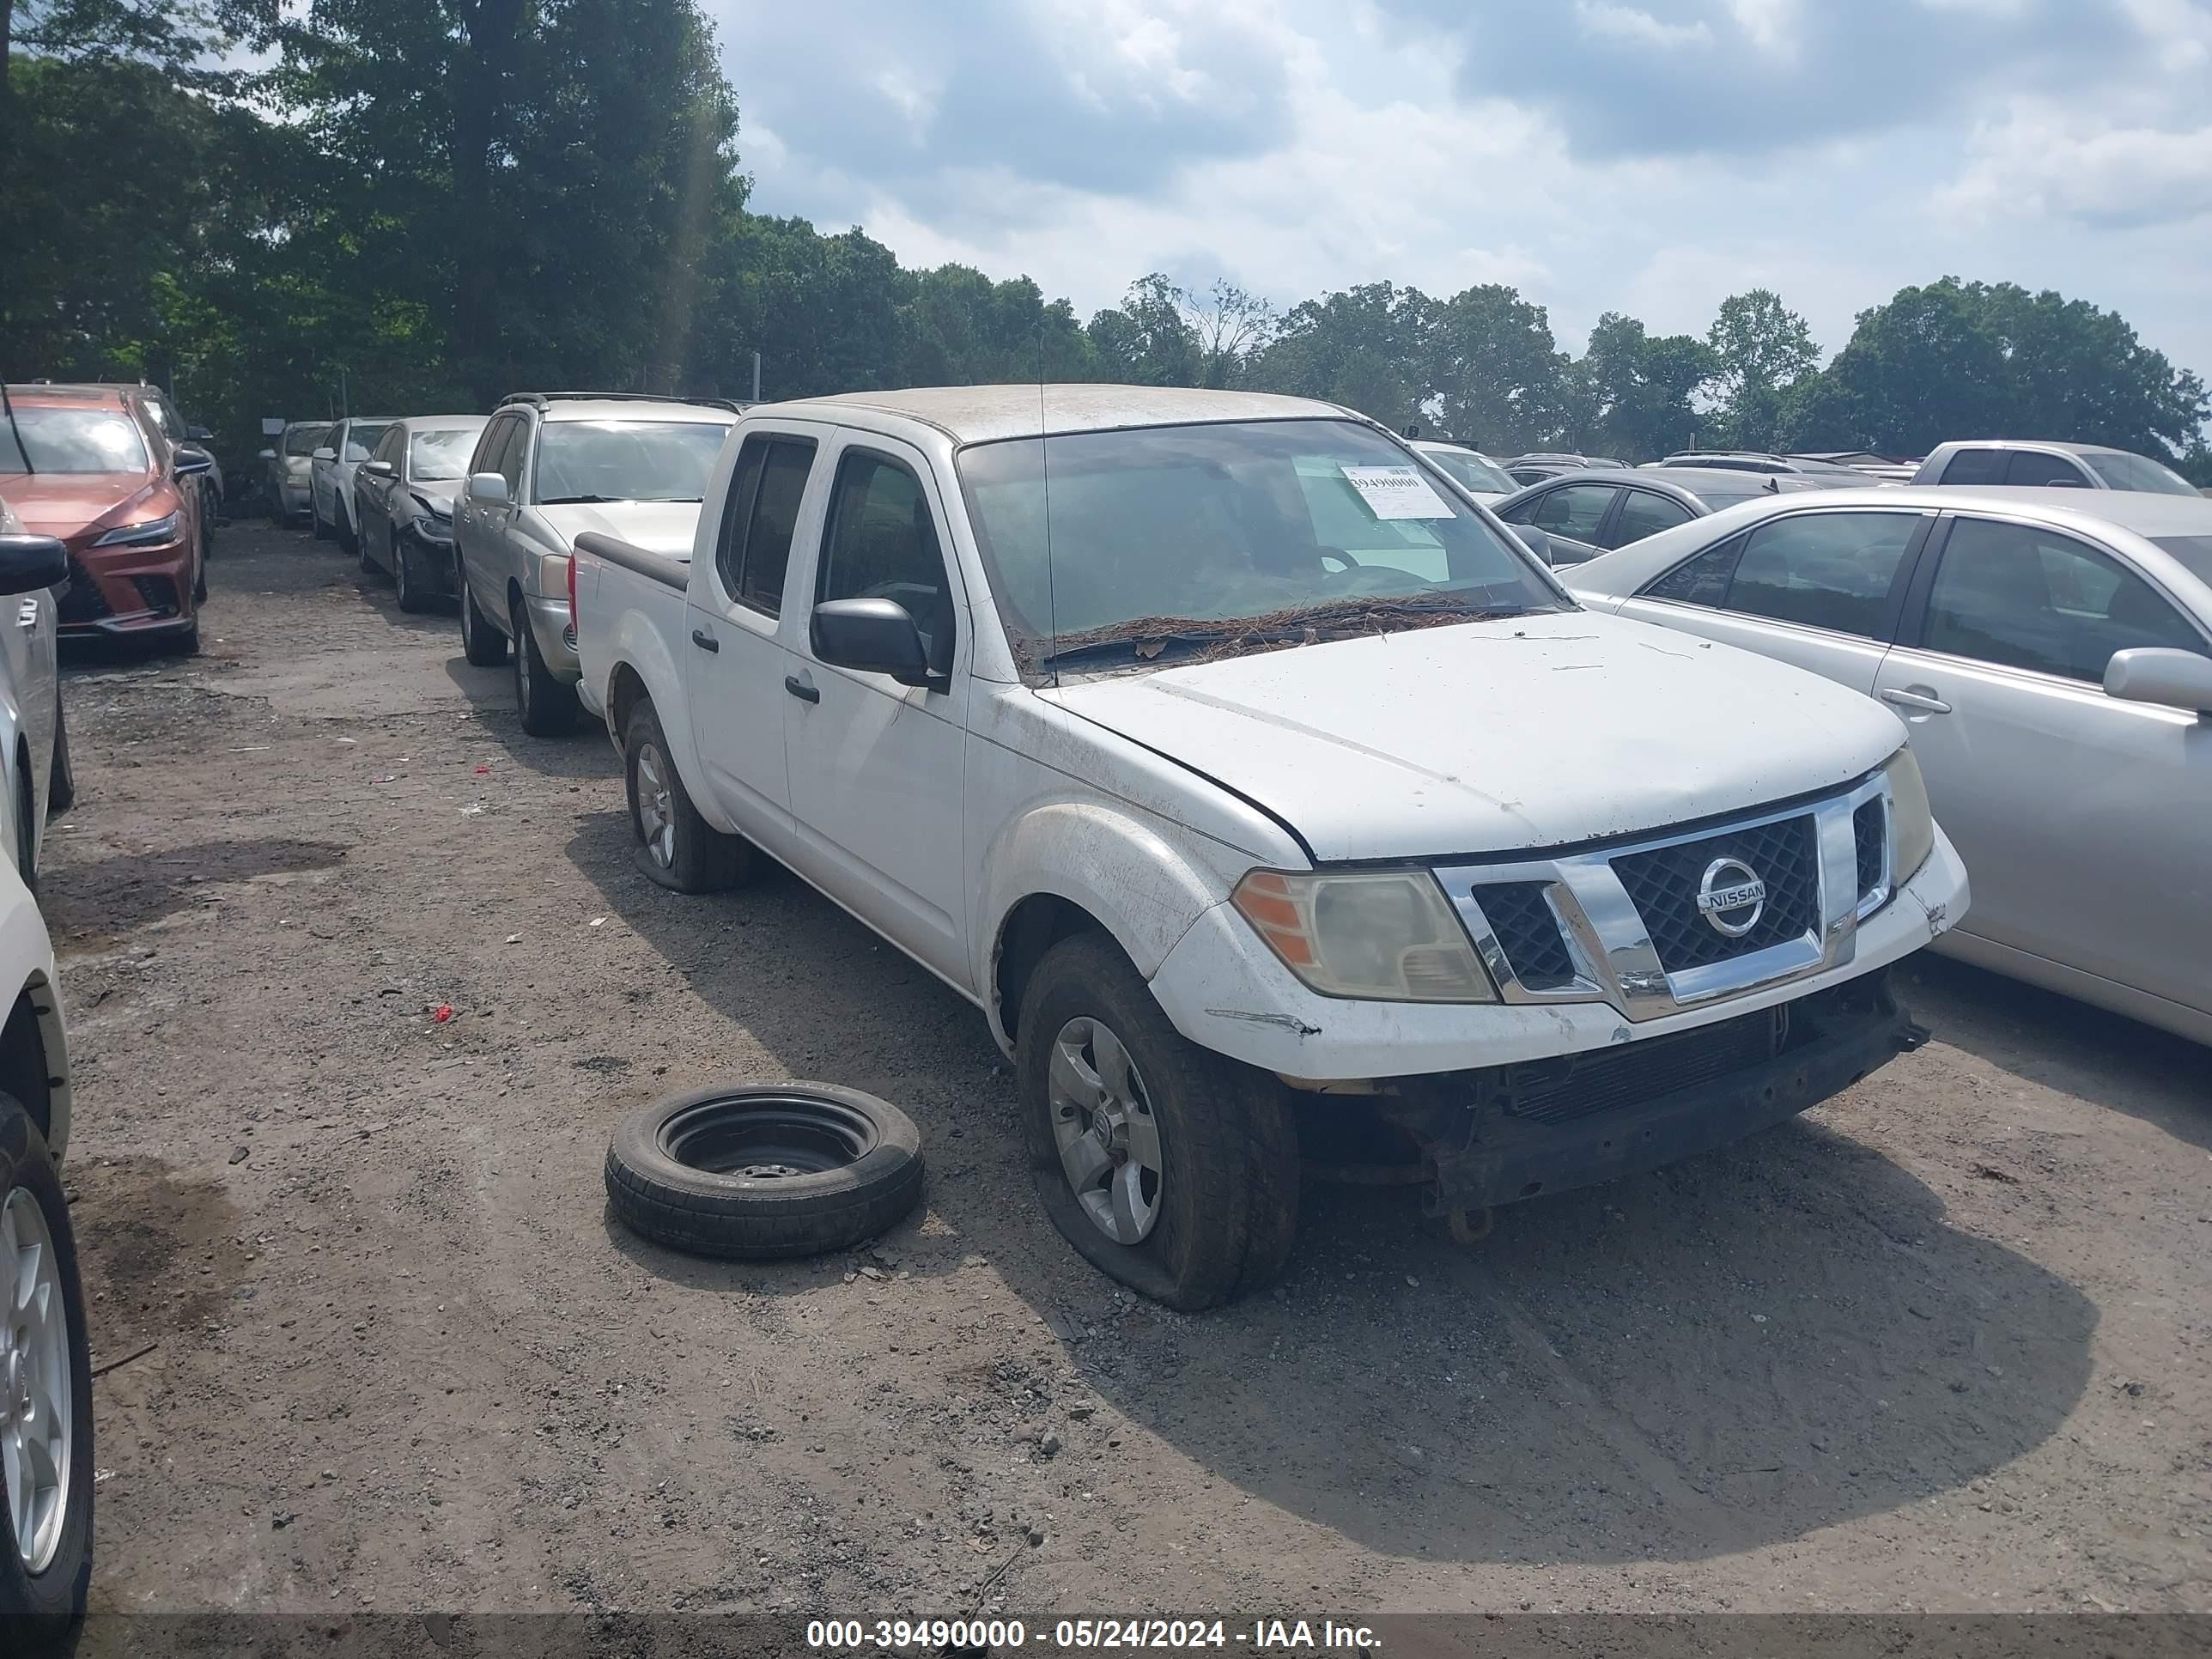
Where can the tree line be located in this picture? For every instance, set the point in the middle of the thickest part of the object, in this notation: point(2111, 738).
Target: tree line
point(425, 203)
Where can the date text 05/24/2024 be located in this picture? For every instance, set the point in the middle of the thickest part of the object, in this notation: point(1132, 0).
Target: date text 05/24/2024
point(1008, 1635)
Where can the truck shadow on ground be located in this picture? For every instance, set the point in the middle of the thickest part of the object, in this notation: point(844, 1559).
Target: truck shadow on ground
point(1730, 1353)
point(2104, 1059)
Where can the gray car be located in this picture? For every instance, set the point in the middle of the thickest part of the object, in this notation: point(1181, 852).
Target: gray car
point(549, 466)
point(2051, 651)
point(403, 499)
point(1592, 510)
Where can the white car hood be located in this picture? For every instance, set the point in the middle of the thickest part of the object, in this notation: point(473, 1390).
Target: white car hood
point(657, 526)
point(1536, 732)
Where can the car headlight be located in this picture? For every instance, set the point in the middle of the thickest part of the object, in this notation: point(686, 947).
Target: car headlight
point(1911, 826)
point(133, 535)
point(434, 522)
point(1384, 935)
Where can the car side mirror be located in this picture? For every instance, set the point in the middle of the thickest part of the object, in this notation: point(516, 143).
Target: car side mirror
point(490, 488)
point(876, 636)
point(198, 434)
point(192, 459)
point(2170, 678)
point(1534, 539)
point(380, 469)
point(267, 455)
point(326, 453)
point(28, 563)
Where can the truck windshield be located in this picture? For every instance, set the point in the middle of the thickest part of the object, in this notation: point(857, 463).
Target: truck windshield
point(1179, 534)
point(72, 440)
point(625, 460)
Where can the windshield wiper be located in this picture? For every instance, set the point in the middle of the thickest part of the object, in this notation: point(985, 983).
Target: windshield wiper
point(1135, 643)
point(1149, 638)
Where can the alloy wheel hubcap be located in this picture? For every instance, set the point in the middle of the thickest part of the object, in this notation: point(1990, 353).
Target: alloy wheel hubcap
point(656, 806)
point(1103, 1127)
point(35, 1419)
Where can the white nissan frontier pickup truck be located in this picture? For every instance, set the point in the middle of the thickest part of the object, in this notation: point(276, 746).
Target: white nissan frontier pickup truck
point(1219, 750)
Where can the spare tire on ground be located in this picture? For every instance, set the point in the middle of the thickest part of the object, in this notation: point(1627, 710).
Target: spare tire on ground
point(754, 1170)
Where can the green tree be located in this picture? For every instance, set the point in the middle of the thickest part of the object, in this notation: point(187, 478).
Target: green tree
point(1500, 380)
point(960, 328)
point(1640, 388)
point(1967, 360)
point(1762, 349)
point(1147, 340)
point(1365, 348)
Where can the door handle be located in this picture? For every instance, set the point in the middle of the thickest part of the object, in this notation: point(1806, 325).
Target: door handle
point(800, 690)
point(705, 641)
point(1920, 700)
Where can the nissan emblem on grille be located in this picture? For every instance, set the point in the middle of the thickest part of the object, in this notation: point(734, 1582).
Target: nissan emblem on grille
point(1731, 897)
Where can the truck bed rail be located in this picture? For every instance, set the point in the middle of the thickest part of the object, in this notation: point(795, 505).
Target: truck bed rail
point(670, 573)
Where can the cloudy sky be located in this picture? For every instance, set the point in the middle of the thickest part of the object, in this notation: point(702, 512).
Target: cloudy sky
point(1645, 155)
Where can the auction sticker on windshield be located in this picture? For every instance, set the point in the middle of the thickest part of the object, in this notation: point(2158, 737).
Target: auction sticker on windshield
point(1397, 492)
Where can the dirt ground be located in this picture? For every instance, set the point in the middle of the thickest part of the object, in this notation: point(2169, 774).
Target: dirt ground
point(1943, 1344)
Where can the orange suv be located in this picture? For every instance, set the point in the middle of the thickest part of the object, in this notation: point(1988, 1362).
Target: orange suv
point(90, 466)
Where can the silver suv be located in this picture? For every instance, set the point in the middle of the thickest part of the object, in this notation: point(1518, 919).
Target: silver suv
point(550, 465)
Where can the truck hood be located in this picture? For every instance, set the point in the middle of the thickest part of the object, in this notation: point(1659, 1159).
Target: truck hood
point(1486, 738)
point(64, 504)
point(662, 527)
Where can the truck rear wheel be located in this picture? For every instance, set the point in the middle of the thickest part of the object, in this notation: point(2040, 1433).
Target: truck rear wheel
point(676, 847)
point(1170, 1168)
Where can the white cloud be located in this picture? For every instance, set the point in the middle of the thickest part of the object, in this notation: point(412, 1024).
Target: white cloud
point(1603, 19)
point(1306, 145)
point(2046, 161)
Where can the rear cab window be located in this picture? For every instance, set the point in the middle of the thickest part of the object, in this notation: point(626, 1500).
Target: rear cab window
point(752, 551)
point(1977, 466)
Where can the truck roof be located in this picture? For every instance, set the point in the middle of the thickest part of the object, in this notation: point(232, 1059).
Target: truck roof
point(981, 414)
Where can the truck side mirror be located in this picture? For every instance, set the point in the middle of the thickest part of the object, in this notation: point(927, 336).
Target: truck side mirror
point(28, 563)
point(489, 488)
point(876, 636)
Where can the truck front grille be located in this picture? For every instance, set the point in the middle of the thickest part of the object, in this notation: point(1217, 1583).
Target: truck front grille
point(1663, 884)
point(1867, 830)
point(1528, 933)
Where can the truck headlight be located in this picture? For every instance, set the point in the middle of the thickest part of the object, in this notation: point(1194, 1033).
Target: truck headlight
point(1383, 935)
point(1911, 826)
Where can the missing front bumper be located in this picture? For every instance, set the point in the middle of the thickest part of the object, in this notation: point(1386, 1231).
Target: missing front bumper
point(1515, 1131)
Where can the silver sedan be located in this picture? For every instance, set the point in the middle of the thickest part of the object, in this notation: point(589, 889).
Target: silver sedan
point(2051, 651)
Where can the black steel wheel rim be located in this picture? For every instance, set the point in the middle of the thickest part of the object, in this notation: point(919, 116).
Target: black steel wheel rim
point(767, 1137)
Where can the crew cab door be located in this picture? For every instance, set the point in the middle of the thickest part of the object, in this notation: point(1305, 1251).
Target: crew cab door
point(737, 656)
point(877, 767)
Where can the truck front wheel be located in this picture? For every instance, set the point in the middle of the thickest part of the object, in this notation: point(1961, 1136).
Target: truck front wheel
point(675, 846)
point(1169, 1167)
